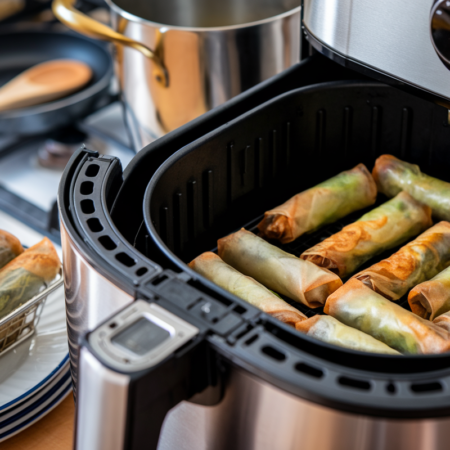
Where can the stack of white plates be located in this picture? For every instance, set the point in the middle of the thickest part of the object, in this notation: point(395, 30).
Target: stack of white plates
point(35, 375)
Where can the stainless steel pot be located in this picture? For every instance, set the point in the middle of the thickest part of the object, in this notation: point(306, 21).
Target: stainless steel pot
point(203, 53)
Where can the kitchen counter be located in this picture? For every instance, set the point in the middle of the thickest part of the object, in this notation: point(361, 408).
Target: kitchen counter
point(53, 432)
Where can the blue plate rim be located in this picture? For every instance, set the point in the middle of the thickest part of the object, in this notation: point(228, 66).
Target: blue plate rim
point(38, 386)
point(37, 417)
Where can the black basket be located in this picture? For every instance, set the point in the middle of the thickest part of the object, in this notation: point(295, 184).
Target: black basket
point(225, 177)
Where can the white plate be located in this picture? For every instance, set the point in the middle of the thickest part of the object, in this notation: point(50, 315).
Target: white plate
point(40, 405)
point(31, 402)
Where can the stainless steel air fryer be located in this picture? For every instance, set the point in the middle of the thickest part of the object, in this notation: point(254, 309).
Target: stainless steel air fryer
point(162, 358)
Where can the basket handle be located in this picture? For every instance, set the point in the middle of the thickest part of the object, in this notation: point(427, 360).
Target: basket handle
point(65, 11)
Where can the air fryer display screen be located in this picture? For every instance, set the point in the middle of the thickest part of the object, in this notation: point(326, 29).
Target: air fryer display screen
point(141, 337)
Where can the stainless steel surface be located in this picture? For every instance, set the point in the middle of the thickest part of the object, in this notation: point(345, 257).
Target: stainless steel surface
point(392, 37)
point(90, 297)
point(203, 13)
point(244, 44)
point(179, 332)
point(255, 415)
point(102, 406)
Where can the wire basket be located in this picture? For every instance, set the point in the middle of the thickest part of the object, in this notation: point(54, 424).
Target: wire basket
point(21, 323)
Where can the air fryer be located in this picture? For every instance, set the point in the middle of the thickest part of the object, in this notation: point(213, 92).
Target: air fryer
point(242, 379)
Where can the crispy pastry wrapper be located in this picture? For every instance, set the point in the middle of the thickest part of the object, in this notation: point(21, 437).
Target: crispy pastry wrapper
point(10, 247)
point(417, 261)
point(330, 330)
point(359, 307)
point(393, 175)
point(431, 298)
point(282, 272)
point(387, 226)
point(443, 321)
point(26, 275)
point(214, 269)
point(325, 203)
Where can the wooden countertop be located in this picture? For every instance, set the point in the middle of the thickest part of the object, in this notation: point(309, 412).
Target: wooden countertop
point(53, 432)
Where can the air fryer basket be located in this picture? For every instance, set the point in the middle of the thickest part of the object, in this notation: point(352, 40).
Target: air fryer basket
point(228, 178)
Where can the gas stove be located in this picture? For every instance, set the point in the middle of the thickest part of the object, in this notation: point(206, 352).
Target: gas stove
point(31, 167)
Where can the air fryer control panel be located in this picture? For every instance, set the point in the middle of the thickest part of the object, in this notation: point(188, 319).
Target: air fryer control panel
point(140, 337)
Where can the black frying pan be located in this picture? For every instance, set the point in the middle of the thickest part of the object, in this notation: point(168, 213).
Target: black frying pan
point(20, 51)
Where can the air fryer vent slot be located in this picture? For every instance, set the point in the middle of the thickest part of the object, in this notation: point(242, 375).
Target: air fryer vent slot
point(240, 309)
point(94, 225)
point(273, 353)
point(92, 170)
point(320, 131)
point(405, 132)
point(251, 339)
point(422, 388)
point(125, 259)
point(307, 369)
point(347, 130)
point(87, 206)
point(354, 383)
point(141, 271)
point(87, 188)
point(101, 180)
point(375, 130)
point(107, 242)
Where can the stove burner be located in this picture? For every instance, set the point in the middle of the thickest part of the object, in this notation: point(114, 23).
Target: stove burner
point(59, 148)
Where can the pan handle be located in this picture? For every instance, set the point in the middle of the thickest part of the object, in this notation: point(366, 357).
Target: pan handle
point(65, 11)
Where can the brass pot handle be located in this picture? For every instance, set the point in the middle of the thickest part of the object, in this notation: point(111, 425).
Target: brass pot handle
point(65, 11)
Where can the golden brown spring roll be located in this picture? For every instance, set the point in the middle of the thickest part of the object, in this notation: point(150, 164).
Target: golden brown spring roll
point(214, 269)
point(10, 247)
point(387, 226)
point(359, 307)
point(393, 175)
point(417, 261)
point(431, 298)
point(443, 321)
point(282, 272)
point(325, 203)
point(26, 275)
point(330, 330)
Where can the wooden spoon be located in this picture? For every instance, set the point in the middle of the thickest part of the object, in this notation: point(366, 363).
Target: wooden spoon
point(44, 82)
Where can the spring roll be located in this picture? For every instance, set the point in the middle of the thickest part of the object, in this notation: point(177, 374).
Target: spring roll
point(330, 330)
point(359, 307)
point(282, 272)
point(26, 275)
point(387, 226)
point(443, 321)
point(393, 175)
point(214, 269)
point(325, 203)
point(431, 298)
point(417, 261)
point(10, 247)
